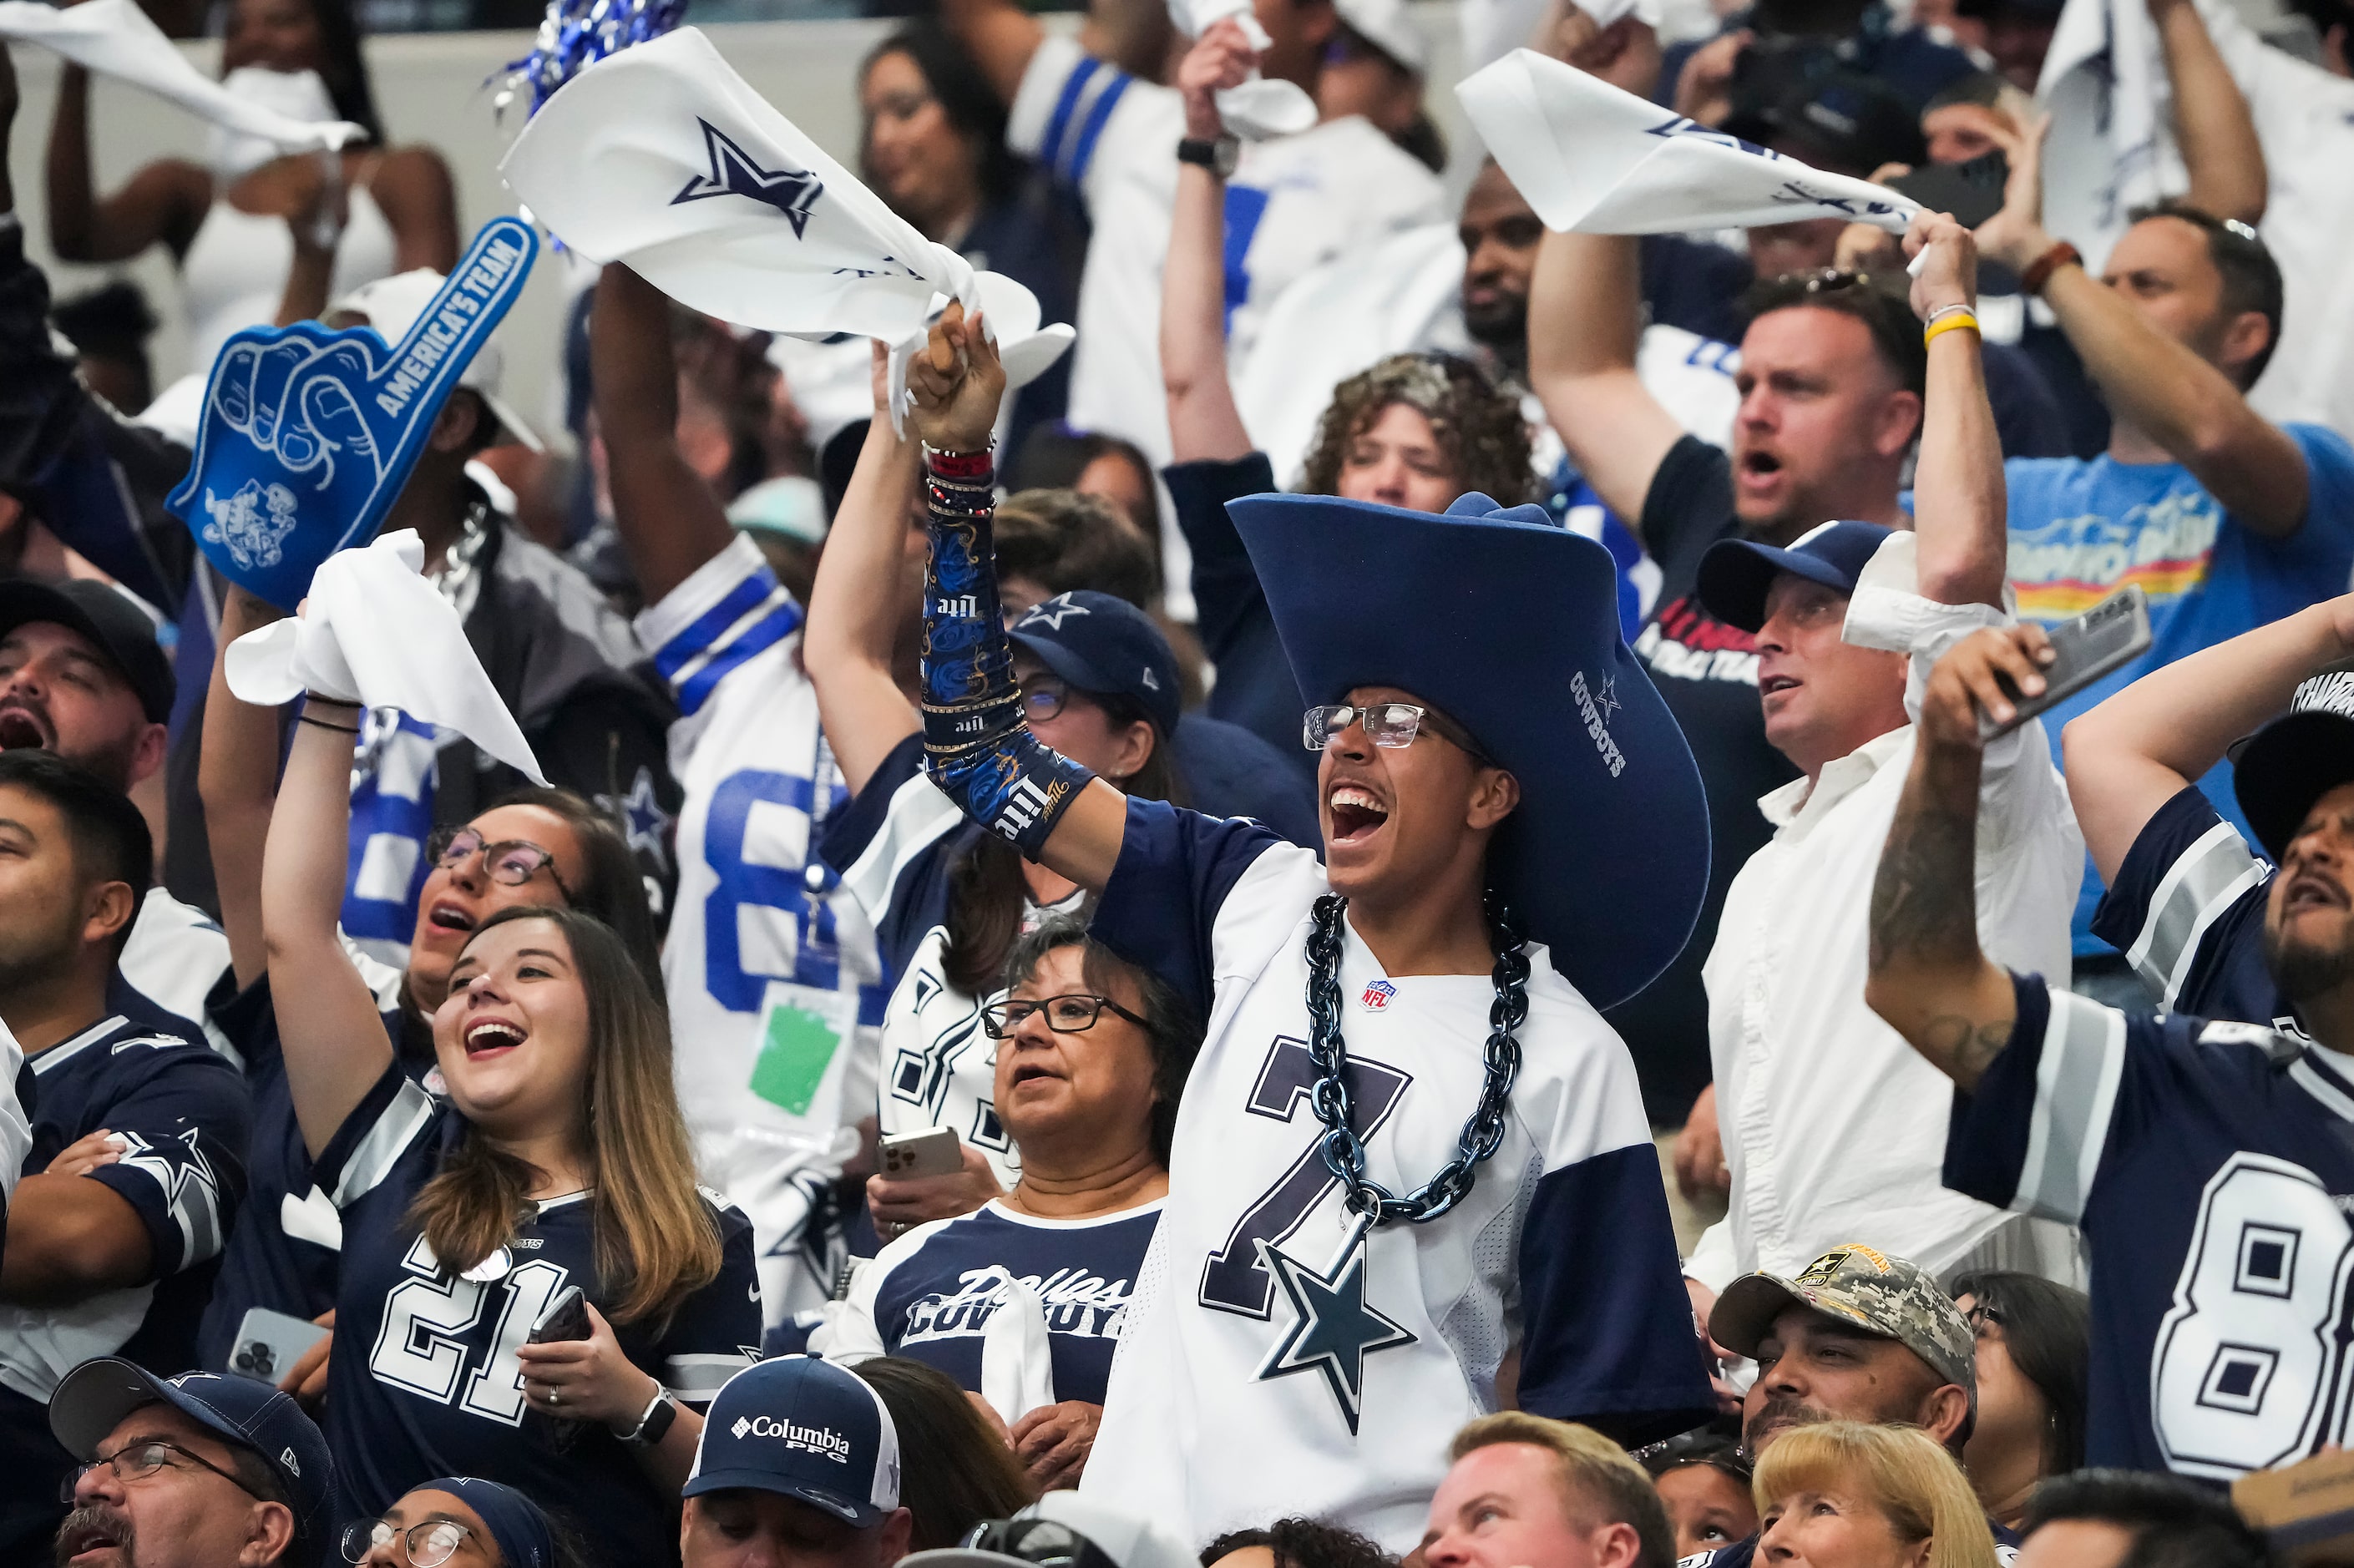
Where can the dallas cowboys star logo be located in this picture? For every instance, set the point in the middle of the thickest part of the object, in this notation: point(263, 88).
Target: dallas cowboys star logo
point(1332, 1330)
point(640, 816)
point(734, 172)
point(1606, 698)
point(1052, 613)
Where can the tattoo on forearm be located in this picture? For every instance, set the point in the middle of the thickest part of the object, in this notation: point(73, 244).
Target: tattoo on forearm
point(1969, 1045)
point(1924, 899)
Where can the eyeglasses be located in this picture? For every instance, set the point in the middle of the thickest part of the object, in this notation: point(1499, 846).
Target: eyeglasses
point(1829, 279)
point(428, 1545)
point(1043, 697)
point(1073, 1014)
point(141, 1460)
point(509, 861)
point(1389, 726)
point(1043, 1542)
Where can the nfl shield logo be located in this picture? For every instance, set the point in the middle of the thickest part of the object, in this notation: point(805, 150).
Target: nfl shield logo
point(1378, 996)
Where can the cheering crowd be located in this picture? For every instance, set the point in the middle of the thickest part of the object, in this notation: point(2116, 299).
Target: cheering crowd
point(1178, 829)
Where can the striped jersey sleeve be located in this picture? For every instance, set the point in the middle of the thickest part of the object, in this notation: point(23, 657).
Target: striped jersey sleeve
point(1088, 122)
point(2032, 1136)
point(388, 1122)
point(2186, 910)
point(728, 612)
point(896, 848)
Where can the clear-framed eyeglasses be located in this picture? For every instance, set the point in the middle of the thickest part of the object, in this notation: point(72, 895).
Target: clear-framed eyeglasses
point(427, 1545)
point(1391, 726)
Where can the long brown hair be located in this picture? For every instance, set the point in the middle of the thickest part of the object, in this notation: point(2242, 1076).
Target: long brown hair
point(954, 1469)
point(657, 1242)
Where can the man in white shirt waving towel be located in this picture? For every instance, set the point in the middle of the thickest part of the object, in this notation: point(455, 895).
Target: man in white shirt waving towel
point(1494, 764)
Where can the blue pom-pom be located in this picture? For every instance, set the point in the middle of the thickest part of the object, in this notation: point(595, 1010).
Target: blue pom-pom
point(577, 34)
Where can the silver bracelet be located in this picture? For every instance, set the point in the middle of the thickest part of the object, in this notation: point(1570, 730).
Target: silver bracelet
point(1931, 319)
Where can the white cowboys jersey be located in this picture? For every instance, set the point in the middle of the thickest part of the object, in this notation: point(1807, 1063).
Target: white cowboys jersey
point(762, 936)
point(1265, 1372)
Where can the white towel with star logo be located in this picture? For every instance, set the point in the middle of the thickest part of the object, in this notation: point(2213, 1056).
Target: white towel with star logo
point(1596, 160)
point(663, 157)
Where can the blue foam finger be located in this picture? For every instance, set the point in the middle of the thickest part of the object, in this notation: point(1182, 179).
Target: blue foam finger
point(308, 436)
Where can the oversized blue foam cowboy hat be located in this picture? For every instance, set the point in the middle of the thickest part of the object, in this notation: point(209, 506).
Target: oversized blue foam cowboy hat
point(1509, 625)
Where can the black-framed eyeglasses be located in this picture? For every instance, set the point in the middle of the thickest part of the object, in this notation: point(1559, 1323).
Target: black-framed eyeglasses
point(1046, 1543)
point(137, 1461)
point(509, 862)
point(1044, 697)
point(1075, 1013)
point(1389, 726)
point(1981, 1317)
point(427, 1544)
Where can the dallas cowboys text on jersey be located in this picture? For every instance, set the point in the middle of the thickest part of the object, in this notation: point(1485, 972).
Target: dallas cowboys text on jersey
point(2211, 1168)
point(425, 1380)
point(931, 1294)
point(762, 937)
point(181, 1111)
point(1342, 1370)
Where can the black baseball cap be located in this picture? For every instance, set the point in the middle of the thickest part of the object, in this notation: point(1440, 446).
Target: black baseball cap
point(1840, 119)
point(107, 617)
point(2282, 770)
point(805, 1429)
point(1102, 644)
point(1736, 573)
point(92, 1399)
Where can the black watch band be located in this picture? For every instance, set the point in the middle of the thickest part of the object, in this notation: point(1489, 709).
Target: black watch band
point(1218, 155)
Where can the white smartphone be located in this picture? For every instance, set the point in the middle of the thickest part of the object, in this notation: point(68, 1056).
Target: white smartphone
point(268, 1343)
point(934, 1151)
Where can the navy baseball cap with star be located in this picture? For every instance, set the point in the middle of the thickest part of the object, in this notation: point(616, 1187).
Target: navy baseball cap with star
point(1736, 573)
point(92, 1399)
point(1103, 644)
point(805, 1429)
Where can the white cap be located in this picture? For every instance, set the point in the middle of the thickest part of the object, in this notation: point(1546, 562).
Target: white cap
point(1389, 26)
point(392, 306)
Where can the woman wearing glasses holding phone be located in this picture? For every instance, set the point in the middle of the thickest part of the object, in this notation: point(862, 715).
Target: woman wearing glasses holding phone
point(947, 900)
point(536, 846)
point(1092, 1054)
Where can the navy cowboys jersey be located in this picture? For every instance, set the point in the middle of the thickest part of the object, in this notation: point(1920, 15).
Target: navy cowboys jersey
point(2186, 909)
point(1340, 1374)
point(424, 1380)
point(181, 1109)
point(930, 1295)
point(2210, 1167)
point(281, 1253)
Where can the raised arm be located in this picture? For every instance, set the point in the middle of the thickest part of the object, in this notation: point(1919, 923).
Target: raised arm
point(1584, 324)
point(1958, 504)
point(2212, 123)
point(1000, 34)
point(165, 200)
point(1929, 978)
point(2153, 384)
point(2146, 744)
point(976, 746)
point(237, 780)
point(1203, 421)
point(334, 1043)
point(856, 606)
point(670, 521)
point(419, 200)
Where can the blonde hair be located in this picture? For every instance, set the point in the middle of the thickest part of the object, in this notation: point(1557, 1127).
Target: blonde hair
point(1900, 1470)
point(1599, 1481)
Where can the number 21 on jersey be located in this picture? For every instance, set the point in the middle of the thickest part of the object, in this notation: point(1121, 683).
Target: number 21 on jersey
point(421, 1343)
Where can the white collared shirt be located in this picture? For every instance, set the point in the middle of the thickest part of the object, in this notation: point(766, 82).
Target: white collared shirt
point(1834, 1128)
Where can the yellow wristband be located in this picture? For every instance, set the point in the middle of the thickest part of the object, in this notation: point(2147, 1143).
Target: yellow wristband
point(1948, 322)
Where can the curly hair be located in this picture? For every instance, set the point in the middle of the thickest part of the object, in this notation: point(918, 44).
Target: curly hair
point(1478, 424)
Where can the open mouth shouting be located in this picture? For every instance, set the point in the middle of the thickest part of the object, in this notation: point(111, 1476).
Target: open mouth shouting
point(22, 725)
point(447, 915)
point(1357, 813)
point(491, 1037)
point(93, 1533)
point(2308, 891)
point(1757, 470)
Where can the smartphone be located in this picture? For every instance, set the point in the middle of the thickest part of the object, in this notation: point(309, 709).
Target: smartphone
point(934, 1151)
point(566, 1317)
point(268, 1345)
point(2111, 634)
point(1971, 192)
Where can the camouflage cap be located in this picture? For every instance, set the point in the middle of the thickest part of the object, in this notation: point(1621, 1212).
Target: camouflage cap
point(1888, 1296)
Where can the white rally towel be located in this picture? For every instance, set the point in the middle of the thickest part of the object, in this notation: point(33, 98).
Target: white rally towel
point(114, 37)
point(1017, 1360)
point(2112, 146)
point(663, 157)
point(377, 633)
point(1260, 108)
point(1592, 158)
